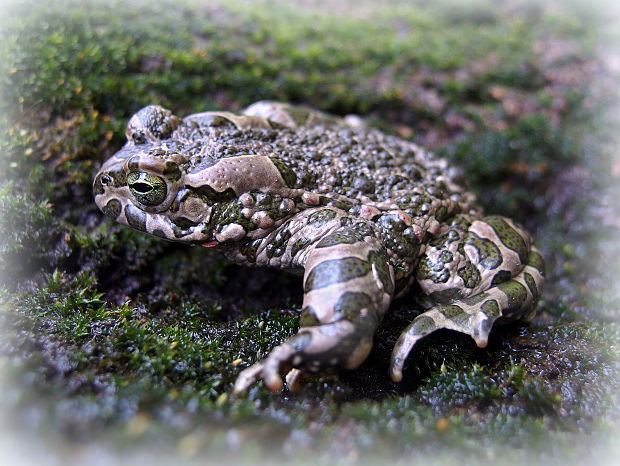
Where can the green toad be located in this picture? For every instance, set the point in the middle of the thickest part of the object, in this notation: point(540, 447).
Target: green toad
point(366, 216)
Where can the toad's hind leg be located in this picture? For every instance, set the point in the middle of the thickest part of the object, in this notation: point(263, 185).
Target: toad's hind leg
point(294, 116)
point(495, 252)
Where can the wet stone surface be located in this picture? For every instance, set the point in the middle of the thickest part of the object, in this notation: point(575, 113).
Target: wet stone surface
point(111, 337)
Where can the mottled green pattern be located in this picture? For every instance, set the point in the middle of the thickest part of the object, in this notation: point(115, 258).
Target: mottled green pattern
point(225, 213)
point(516, 293)
point(455, 314)
point(490, 308)
point(442, 241)
point(183, 222)
point(470, 275)
point(159, 233)
point(380, 262)
point(299, 245)
point(214, 196)
point(509, 237)
point(446, 295)
point(336, 271)
point(489, 253)
point(135, 217)
point(422, 325)
point(441, 214)
point(531, 284)
point(321, 217)
point(249, 249)
point(308, 317)
point(534, 259)
point(300, 341)
point(434, 269)
point(277, 247)
point(416, 205)
point(460, 223)
point(397, 235)
point(287, 174)
point(113, 208)
point(337, 238)
point(98, 188)
point(475, 299)
point(351, 304)
point(172, 171)
point(501, 277)
point(361, 229)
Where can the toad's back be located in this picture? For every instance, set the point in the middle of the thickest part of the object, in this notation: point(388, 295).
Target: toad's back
point(360, 164)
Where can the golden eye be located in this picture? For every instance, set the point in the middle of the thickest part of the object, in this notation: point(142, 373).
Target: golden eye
point(148, 189)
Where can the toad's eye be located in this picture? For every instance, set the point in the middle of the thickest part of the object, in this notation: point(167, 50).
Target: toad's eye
point(148, 189)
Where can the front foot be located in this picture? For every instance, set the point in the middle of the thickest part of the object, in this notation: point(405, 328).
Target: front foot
point(348, 285)
point(253, 374)
point(311, 350)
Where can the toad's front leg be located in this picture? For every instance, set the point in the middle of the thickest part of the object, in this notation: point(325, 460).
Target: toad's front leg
point(348, 285)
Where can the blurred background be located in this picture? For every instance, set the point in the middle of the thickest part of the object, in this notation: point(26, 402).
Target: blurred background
point(119, 348)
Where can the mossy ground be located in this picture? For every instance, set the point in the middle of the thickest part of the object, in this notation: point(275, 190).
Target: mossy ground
point(114, 341)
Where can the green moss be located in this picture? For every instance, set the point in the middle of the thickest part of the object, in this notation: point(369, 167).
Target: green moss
point(113, 336)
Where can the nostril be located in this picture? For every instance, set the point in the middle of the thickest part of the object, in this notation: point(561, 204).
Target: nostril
point(138, 138)
point(106, 180)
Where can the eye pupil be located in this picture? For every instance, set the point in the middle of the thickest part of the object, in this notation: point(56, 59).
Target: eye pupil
point(142, 187)
point(148, 189)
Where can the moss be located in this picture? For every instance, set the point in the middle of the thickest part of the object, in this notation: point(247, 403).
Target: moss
point(27, 228)
point(173, 345)
point(116, 338)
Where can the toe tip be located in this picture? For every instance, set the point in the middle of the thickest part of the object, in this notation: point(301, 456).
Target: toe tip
point(396, 375)
point(274, 383)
